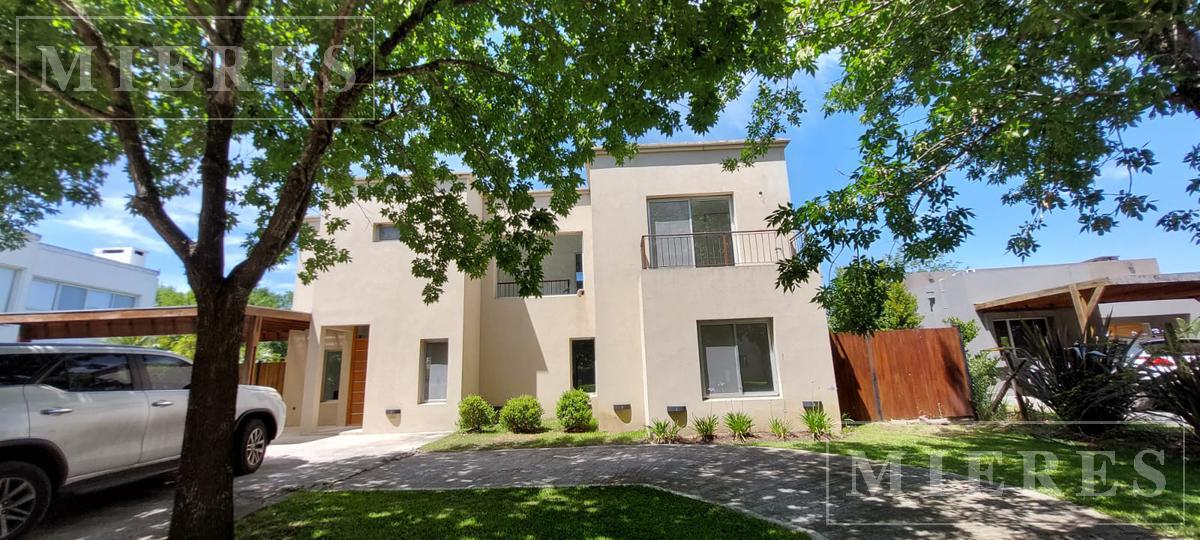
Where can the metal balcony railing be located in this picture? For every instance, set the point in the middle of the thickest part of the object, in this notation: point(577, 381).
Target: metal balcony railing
point(709, 249)
point(510, 289)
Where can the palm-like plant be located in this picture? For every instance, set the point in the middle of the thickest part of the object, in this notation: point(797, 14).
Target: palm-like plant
point(1090, 381)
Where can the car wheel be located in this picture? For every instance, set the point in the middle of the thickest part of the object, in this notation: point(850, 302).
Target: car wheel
point(24, 496)
point(251, 447)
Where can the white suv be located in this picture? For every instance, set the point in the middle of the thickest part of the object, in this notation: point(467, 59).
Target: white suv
point(89, 416)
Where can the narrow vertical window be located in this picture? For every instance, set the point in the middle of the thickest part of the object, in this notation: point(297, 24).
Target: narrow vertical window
point(434, 366)
point(583, 364)
point(332, 383)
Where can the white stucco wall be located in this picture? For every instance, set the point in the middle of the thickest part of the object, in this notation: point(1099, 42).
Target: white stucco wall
point(53, 263)
point(956, 293)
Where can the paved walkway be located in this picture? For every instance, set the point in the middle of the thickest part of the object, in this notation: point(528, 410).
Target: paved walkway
point(294, 462)
point(785, 486)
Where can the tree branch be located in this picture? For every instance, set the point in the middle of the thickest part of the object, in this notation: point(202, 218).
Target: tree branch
point(296, 192)
point(65, 98)
point(204, 22)
point(147, 199)
point(434, 65)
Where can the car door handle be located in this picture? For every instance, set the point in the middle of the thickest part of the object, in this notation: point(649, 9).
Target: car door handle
point(162, 403)
point(56, 411)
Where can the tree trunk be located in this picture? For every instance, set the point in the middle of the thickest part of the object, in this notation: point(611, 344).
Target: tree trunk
point(204, 496)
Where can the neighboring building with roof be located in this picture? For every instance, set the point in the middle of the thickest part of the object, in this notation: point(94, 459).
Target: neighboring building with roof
point(1139, 299)
point(659, 299)
point(44, 277)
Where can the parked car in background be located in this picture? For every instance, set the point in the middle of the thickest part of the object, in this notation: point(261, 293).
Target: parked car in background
point(85, 416)
point(1147, 354)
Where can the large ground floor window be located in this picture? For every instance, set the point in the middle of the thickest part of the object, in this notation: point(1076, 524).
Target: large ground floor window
point(736, 358)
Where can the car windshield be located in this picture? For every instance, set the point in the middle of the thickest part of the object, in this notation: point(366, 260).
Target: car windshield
point(18, 369)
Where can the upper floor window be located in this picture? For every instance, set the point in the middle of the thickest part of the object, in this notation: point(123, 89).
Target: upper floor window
point(385, 232)
point(46, 295)
point(691, 231)
point(562, 270)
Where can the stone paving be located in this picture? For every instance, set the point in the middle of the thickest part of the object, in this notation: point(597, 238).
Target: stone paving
point(804, 490)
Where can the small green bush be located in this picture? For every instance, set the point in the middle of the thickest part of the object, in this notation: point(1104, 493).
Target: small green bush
point(985, 374)
point(706, 427)
point(574, 412)
point(740, 424)
point(780, 428)
point(663, 431)
point(522, 414)
point(818, 423)
point(474, 414)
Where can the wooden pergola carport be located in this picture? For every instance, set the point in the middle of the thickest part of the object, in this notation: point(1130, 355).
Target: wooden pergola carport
point(261, 324)
point(1085, 296)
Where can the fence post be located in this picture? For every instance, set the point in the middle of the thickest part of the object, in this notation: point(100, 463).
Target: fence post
point(874, 378)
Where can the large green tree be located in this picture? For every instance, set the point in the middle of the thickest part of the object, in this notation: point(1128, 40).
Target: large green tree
point(1031, 96)
point(394, 92)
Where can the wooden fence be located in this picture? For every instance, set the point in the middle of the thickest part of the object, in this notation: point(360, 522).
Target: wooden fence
point(269, 374)
point(902, 374)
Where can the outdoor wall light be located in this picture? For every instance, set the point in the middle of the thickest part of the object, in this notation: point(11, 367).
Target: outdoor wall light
point(671, 409)
point(810, 405)
point(618, 407)
point(391, 412)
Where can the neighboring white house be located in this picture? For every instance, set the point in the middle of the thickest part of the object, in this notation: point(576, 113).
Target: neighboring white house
point(42, 277)
point(957, 293)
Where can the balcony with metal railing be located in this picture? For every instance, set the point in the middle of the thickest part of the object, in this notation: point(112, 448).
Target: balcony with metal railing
point(550, 287)
point(710, 249)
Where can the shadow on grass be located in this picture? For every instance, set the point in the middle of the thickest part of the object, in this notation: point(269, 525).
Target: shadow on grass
point(1122, 492)
point(588, 512)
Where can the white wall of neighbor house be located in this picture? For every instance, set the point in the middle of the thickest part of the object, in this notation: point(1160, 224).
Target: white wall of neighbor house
point(32, 276)
point(945, 294)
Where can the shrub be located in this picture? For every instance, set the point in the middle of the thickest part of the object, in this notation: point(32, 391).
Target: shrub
point(706, 427)
point(780, 428)
point(574, 411)
point(474, 414)
point(818, 423)
point(522, 414)
point(1087, 382)
point(985, 374)
point(740, 424)
point(663, 431)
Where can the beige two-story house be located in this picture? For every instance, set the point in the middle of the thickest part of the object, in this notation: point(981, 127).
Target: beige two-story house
point(659, 299)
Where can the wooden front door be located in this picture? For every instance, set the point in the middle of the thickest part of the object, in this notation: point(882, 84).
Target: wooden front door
point(358, 376)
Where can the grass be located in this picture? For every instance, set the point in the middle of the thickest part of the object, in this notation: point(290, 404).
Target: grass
point(495, 438)
point(916, 443)
point(586, 512)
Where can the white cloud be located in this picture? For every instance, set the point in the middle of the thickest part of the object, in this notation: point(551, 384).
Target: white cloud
point(117, 229)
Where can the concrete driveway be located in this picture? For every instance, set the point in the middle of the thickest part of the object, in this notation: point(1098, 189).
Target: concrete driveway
point(294, 462)
point(805, 490)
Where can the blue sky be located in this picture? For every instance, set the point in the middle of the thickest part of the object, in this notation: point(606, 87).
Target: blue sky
point(820, 157)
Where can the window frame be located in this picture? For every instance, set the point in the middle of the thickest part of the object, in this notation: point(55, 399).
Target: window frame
point(691, 234)
point(377, 229)
point(87, 291)
point(774, 367)
point(325, 374)
point(571, 353)
point(423, 374)
point(1008, 326)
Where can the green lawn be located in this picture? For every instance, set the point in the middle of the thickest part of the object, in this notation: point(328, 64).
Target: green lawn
point(590, 512)
point(496, 438)
point(916, 443)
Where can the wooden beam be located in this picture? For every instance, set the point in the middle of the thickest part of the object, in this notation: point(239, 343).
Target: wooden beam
point(254, 329)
